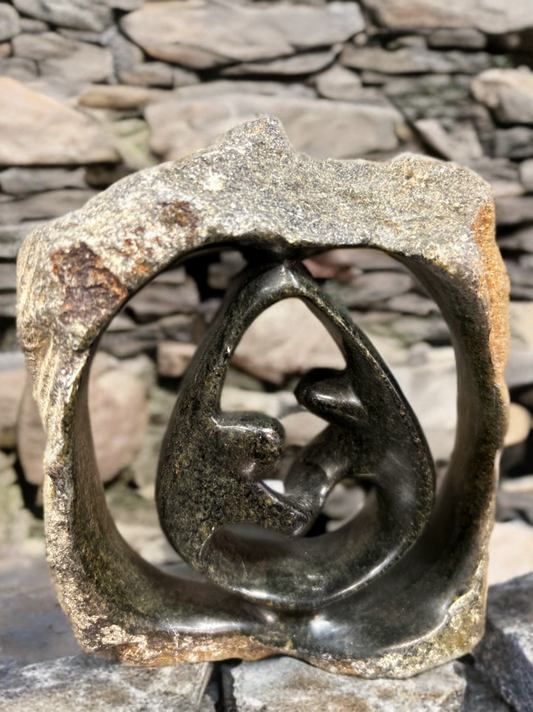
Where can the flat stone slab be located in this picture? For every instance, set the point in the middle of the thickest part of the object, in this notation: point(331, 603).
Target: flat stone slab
point(33, 628)
point(88, 683)
point(281, 684)
point(505, 655)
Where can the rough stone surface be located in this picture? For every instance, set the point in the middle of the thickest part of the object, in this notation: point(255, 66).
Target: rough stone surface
point(513, 210)
point(49, 204)
point(515, 142)
point(496, 17)
point(526, 175)
point(461, 146)
point(302, 63)
point(520, 371)
point(33, 627)
point(9, 22)
point(22, 181)
point(508, 92)
point(161, 299)
point(72, 60)
point(435, 217)
point(465, 38)
point(114, 97)
point(11, 237)
point(370, 288)
point(83, 14)
point(511, 550)
point(339, 83)
point(283, 683)
point(15, 522)
point(323, 129)
point(173, 358)
point(203, 35)
point(505, 655)
point(87, 683)
point(12, 379)
point(412, 60)
point(35, 130)
point(117, 405)
point(286, 339)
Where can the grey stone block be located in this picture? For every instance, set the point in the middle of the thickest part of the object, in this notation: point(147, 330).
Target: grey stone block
point(281, 684)
point(88, 683)
point(505, 655)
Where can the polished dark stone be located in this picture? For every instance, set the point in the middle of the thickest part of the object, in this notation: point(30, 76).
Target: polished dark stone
point(213, 463)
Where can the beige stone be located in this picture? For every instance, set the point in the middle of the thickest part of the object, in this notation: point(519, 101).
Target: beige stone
point(320, 128)
point(117, 406)
point(495, 17)
point(301, 428)
point(510, 551)
point(286, 339)
point(12, 382)
point(101, 96)
point(201, 34)
point(519, 425)
point(508, 92)
point(173, 358)
point(36, 130)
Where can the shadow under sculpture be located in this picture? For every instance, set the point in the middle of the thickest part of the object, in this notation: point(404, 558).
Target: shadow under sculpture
point(401, 587)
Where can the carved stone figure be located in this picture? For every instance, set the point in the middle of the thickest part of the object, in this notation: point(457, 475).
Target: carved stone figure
point(398, 589)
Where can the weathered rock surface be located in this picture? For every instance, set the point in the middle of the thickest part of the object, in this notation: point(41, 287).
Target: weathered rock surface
point(12, 380)
point(462, 145)
point(83, 14)
point(198, 208)
point(286, 339)
point(22, 181)
point(510, 550)
point(11, 237)
point(33, 626)
point(59, 56)
point(320, 128)
point(9, 22)
point(412, 60)
point(161, 298)
point(520, 368)
point(338, 83)
point(508, 92)
point(302, 63)
point(505, 655)
point(283, 683)
point(496, 17)
point(36, 130)
point(464, 38)
point(49, 204)
point(87, 683)
point(117, 405)
point(173, 358)
point(369, 288)
point(207, 34)
point(515, 142)
point(15, 523)
point(429, 384)
point(526, 175)
point(276, 404)
point(114, 97)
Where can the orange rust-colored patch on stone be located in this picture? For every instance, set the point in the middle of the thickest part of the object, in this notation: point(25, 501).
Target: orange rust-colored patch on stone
point(161, 653)
point(89, 286)
point(497, 288)
point(180, 213)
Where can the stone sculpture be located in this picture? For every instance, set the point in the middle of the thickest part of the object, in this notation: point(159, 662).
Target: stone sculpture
point(401, 587)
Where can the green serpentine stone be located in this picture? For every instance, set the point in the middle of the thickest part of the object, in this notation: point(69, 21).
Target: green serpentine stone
point(250, 191)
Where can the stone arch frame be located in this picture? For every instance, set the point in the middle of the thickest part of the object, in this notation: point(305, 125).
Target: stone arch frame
point(251, 188)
